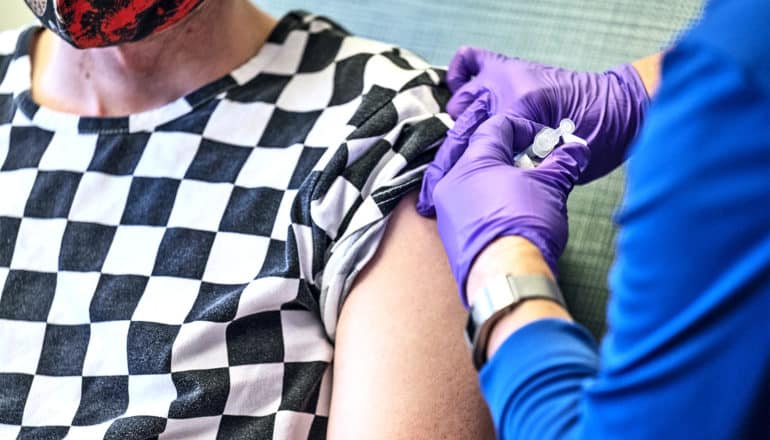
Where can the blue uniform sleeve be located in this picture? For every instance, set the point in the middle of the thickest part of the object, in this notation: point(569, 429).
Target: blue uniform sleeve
point(534, 383)
point(687, 352)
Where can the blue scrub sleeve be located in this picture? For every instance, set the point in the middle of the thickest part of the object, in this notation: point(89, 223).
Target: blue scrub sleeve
point(533, 384)
point(687, 352)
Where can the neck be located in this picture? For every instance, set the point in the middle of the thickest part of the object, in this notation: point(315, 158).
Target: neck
point(135, 77)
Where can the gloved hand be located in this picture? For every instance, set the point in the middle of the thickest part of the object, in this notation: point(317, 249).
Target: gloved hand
point(607, 108)
point(481, 196)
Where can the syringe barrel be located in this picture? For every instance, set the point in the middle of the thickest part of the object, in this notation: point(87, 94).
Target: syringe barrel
point(545, 142)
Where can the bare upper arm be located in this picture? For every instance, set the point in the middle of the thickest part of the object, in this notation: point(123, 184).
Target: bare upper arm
point(401, 368)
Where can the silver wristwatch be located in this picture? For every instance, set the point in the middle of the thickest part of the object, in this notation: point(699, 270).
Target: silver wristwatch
point(496, 300)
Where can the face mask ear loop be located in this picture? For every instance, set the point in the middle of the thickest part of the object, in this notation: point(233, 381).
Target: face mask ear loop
point(47, 12)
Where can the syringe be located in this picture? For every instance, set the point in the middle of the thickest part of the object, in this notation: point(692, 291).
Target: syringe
point(545, 142)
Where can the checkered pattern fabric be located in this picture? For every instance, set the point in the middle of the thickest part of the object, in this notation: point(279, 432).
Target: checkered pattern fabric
point(178, 273)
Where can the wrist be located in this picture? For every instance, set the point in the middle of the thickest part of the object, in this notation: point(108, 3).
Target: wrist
point(506, 304)
point(526, 313)
point(510, 255)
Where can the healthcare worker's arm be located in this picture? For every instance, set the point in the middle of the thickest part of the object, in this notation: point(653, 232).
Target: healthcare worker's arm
point(686, 355)
point(648, 69)
point(496, 258)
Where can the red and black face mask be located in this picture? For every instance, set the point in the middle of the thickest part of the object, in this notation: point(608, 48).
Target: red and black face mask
point(100, 23)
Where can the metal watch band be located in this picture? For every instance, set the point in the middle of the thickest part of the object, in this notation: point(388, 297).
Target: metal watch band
point(499, 297)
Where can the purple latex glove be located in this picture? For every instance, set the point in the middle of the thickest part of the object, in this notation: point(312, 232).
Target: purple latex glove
point(482, 196)
point(607, 108)
point(454, 146)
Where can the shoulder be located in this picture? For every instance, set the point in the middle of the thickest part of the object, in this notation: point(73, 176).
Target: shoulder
point(315, 45)
point(734, 31)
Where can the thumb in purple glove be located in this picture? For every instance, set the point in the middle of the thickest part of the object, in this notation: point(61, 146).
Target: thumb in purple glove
point(453, 147)
point(484, 197)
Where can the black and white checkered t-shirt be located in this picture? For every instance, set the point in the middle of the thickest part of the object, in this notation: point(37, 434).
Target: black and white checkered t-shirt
point(178, 273)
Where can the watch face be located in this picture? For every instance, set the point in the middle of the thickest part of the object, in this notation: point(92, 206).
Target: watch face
point(498, 298)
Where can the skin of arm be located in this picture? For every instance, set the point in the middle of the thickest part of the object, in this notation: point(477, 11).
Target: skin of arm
point(518, 256)
point(401, 368)
point(649, 71)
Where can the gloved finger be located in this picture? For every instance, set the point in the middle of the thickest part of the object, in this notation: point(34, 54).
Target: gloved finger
point(465, 64)
point(464, 128)
point(566, 164)
point(500, 138)
point(464, 97)
point(453, 147)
